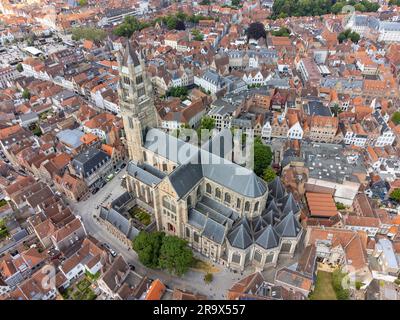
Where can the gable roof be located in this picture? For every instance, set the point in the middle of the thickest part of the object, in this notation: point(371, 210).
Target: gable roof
point(196, 163)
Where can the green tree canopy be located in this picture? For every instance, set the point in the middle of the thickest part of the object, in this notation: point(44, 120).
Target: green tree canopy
point(175, 255)
point(354, 37)
point(337, 7)
point(395, 195)
point(88, 33)
point(269, 174)
point(348, 34)
point(26, 94)
point(262, 156)
point(180, 92)
point(197, 35)
point(19, 67)
point(207, 123)
point(129, 26)
point(256, 30)
point(396, 117)
point(208, 277)
point(235, 3)
point(148, 246)
point(282, 32)
point(287, 8)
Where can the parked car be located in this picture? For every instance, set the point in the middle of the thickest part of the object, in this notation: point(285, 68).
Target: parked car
point(113, 253)
point(117, 171)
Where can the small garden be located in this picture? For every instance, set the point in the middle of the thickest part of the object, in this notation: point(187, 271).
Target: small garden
point(35, 129)
point(323, 287)
point(141, 215)
point(329, 286)
point(81, 290)
point(3, 229)
point(3, 203)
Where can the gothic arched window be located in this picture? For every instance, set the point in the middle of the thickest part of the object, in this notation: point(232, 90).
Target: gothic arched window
point(247, 206)
point(208, 188)
point(218, 193)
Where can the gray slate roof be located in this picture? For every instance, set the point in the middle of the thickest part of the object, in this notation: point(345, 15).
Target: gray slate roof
point(267, 238)
point(288, 227)
point(197, 163)
point(119, 221)
point(89, 160)
point(240, 236)
point(276, 188)
point(144, 174)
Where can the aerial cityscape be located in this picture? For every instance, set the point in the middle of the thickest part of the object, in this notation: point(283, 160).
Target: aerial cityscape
point(199, 150)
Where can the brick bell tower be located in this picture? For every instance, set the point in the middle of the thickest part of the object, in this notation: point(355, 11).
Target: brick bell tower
point(136, 100)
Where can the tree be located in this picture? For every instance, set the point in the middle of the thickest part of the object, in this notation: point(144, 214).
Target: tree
point(340, 206)
point(205, 2)
point(88, 33)
point(394, 3)
point(148, 246)
point(396, 118)
point(354, 37)
point(197, 35)
point(341, 37)
point(207, 123)
point(26, 94)
point(82, 2)
point(395, 195)
point(175, 255)
point(286, 8)
point(262, 156)
point(255, 31)
point(337, 278)
point(348, 34)
point(180, 92)
point(337, 7)
point(208, 277)
point(269, 174)
point(173, 22)
point(360, 7)
point(235, 3)
point(335, 109)
point(19, 67)
point(129, 26)
point(282, 32)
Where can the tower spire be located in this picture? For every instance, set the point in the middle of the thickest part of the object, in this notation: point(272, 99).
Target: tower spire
point(136, 100)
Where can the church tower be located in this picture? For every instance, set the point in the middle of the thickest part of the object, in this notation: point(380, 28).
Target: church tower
point(135, 94)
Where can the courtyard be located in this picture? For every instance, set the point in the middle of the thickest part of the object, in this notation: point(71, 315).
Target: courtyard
point(141, 215)
point(323, 287)
point(82, 289)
